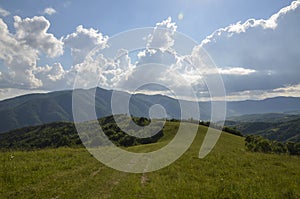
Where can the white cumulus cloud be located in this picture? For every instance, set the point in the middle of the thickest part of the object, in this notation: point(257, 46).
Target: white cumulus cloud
point(19, 58)
point(33, 32)
point(51, 76)
point(162, 36)
point(20, 51)
point(83, 41)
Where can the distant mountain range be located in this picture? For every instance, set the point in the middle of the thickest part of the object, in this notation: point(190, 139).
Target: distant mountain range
point(274, 126)
point(265, 117)
point(37, 109)
point(289, 105)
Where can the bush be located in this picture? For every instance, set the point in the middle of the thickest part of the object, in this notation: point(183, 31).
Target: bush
point(259, 144)
point(233, 131)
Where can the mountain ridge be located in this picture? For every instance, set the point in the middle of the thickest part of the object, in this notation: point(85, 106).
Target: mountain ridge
point(42, 108)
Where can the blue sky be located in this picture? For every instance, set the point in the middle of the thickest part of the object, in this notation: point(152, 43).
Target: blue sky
point(201, 17)
point(67, 24)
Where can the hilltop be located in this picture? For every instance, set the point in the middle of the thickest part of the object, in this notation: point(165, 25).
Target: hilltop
point(229, 171)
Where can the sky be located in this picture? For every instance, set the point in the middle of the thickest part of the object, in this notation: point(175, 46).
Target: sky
point(254, 45)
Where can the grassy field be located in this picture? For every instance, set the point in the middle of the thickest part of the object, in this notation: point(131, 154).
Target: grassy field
point(227, 172)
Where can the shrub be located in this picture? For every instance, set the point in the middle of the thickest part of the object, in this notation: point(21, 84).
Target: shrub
point(259, 144)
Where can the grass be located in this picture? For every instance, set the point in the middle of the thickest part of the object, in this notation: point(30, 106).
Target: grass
point(227, 172)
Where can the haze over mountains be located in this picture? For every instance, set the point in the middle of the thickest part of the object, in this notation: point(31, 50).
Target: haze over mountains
point(36, 109)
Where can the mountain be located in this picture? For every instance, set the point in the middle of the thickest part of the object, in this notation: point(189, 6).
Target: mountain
point(266, 117)
point(274, 126)
point(38, 109)
point(269, 105)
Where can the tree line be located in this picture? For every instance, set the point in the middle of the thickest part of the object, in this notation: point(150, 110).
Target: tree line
point(257, 143)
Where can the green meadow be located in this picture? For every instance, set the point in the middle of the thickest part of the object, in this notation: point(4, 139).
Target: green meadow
point(229, 171)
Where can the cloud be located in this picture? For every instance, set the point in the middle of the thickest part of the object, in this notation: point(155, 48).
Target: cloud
point(83, 41)
point(103, 71)
point(31, 39)
point(285, 91)
point(49, 11)
point(270, 23)
point(33, 32)
point(270, 46)
point(159, 47)
point(236, 71)
point(289, 90)
point(23, 49)
point(53, 77)
point(20, 51)
point(20, 60)
point(160, 63)
point(162, 36)
point(4, 12)
point(118, 72)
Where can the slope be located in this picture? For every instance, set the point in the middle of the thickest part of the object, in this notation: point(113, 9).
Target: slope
point(227, 172)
